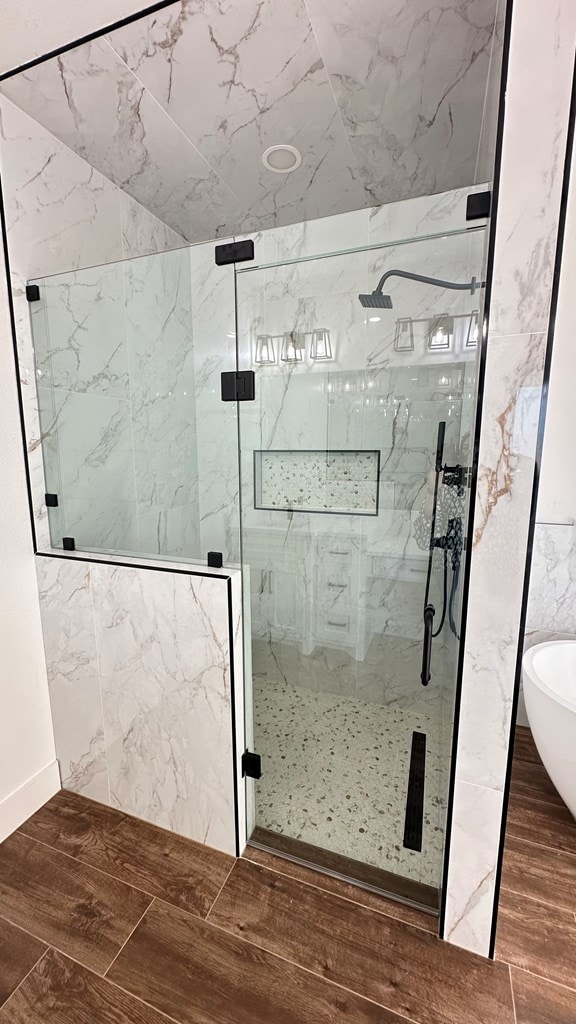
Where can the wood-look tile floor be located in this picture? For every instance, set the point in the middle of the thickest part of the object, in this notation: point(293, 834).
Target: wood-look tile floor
point(108, 920)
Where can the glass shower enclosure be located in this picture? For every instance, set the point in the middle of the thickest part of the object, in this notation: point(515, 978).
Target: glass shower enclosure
point(341, 490)
point(355, 459)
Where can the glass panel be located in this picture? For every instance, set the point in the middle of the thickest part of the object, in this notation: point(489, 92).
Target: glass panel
point(128, 362)
point(339, 552)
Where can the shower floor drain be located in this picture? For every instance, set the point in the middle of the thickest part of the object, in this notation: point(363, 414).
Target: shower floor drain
point(414, 819)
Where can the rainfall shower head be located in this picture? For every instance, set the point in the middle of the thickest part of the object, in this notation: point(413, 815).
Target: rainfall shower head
point(376, 300)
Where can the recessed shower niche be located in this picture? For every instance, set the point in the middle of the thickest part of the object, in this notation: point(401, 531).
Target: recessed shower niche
point(341, 489)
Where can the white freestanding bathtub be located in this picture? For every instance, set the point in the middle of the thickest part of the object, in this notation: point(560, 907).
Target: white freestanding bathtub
point(549, 674)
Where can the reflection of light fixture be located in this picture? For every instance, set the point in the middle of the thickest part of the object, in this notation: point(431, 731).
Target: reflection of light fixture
point(472, 336)
point(404, 336)
point(320, 347)
point(440, 333)
point(292, 347)
point(264, 349)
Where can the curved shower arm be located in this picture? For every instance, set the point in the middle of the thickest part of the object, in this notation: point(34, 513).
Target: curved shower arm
point(468, 286)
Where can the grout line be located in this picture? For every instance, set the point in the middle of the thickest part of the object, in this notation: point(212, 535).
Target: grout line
point(141, 918)
point(540, 846)
point(51, 945)
point(152, 896)
point(100, 977)
point(21, 982)
point(534, 899)
point(218, 894)
point(512, 991)
point(179, 129)
point(294, 963)
point(85, 864)
point(132, 995)
point(348, 899)
point(541, 977)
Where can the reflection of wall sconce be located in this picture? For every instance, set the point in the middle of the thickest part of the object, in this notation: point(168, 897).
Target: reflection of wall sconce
point(320, 346)
point(472, 336)
point(404, 335)
point(292, 347)
point(265, 352)
point(440, 334)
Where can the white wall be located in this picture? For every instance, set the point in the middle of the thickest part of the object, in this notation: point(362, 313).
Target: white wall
point(26, 738)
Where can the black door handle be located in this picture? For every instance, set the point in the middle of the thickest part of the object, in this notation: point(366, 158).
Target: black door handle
point(429, 613)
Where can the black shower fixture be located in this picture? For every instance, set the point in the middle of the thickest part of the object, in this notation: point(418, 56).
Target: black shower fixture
point(377, 299)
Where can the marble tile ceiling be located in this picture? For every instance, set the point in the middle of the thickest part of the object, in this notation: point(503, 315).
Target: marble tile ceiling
point(384, 100)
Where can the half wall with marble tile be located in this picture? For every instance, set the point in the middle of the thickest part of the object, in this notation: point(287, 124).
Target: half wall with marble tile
point(529, 215)
point(140, 669)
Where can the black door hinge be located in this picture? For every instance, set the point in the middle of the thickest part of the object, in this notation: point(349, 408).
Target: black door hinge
point(32, 293)
point(51, 500)
point(234, 252)
point(478, 205)
point(238, 386)
point(68, 543)
point(251, 765)
point(214, 559)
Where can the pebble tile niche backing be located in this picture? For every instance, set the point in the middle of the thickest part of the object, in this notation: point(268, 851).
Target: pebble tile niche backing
point(317, 481)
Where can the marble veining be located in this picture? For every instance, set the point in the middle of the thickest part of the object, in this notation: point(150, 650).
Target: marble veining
point(89, 100)
point(177, 107)
point(528, 218)
point(425, 144)
point(552, 599)
point(114, 360)
point(73, 677)
point(139, 666)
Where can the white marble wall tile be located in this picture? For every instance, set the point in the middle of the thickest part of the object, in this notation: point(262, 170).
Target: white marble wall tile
point(421, 215)
point(526, 229)
point(505, 478)
point(237, 80)
point(139, 666)
point(476, 816)
point(72, 665)
point(552, 601)
point(164, 656)
point(171, 531)
point(405, 147)
point(242, 697)
point(61, 214)
point(142, 232)
point(90, 100)
point(528, 216)
point(162, 381)
point(486, 156)
point(93, 438)
point(82, 347)
point(217, 427)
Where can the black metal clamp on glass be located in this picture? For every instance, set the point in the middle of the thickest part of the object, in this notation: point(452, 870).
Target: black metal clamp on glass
point(429, 613)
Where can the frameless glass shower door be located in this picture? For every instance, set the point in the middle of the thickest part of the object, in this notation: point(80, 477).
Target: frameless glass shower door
point(354, 460)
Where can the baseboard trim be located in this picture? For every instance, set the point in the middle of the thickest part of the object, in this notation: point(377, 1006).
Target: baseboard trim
point(18, 806)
